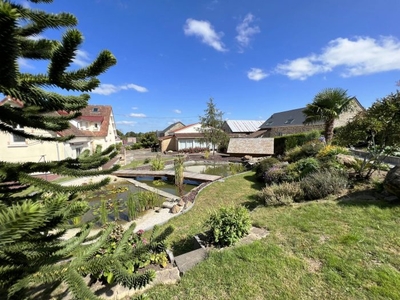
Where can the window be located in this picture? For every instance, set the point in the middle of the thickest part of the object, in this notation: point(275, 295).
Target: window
point(17, 138)
point(95, 109)
point(78, 152)
point(289, 121)
point(96, 126)
point(269, 123)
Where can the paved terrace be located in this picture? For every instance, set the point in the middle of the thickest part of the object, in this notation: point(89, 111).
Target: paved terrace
point(146, 173)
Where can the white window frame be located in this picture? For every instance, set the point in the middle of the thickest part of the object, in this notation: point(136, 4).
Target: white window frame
point(21, 142)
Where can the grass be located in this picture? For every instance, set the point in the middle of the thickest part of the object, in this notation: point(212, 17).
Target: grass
point(347, 249)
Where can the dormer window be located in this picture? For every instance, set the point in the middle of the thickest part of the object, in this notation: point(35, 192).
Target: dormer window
point(95, 109)
point(289, 121)
point(269, 123)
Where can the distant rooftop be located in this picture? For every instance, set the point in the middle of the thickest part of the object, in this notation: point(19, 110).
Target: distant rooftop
point(244, 125)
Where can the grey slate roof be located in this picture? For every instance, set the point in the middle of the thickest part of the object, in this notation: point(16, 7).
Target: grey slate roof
point(294, 117)
point(251, 146)
point(244, 125)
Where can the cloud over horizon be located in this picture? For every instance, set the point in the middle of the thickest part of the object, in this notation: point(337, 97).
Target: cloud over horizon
point(108, 89)
point(81, 59)
point(256, 74)
point(245, 31)
point(140, 115)
point(205, 31)
point(352, 57)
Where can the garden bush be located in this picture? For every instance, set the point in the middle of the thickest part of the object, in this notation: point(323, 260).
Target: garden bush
point(331, 151)
point(280, 194)
point(287, 142)
point(265, 165)
point(228, 225)
point(309, 149)
point(276, 174)
point(323, 183)
point(306, 166)
point(157, 164)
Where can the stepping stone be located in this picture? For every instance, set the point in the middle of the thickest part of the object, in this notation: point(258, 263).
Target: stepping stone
point(188, 260)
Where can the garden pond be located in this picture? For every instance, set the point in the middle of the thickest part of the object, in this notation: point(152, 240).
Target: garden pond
point(122, 201)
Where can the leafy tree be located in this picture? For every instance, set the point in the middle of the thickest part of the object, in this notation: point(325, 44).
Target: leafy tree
point(378, 128)
point(380, 122)
point(32, 251)
point(211, 125)
point(148, 139)
point(327, 106)
point(120, 134)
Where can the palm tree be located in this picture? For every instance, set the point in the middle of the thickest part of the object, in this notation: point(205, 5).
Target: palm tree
point(327, 106)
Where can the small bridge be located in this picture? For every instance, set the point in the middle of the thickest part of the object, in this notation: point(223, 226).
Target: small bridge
point(167, 173)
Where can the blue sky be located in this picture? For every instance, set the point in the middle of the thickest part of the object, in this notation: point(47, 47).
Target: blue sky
point(254, 57)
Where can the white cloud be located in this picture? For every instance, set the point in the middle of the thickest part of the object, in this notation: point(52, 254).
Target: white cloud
point(126, 122)
point(135, 87)
point(205, 31)
point(134, 108)
point(24, 63)
point(133, 115)
point(108, 89)
point(353, 57)
point(81, 59)
point(245, 31)
point(177, 111)
point(256, 74)
point(26, 4)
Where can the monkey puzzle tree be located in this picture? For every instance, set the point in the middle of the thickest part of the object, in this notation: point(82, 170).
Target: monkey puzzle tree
point(31, 225)
point(327, 106)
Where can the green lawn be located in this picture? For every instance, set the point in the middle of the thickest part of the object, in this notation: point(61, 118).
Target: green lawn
point(316, 250)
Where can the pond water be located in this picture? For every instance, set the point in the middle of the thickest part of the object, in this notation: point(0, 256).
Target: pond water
point(167, 185)
point(111, 193)
point(122, 190)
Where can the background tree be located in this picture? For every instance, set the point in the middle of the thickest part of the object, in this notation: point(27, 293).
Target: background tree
point(377, 128)
point(31, 225)
point(211, 125)
point(382, 120)
point(327, 106)
point(148, 139)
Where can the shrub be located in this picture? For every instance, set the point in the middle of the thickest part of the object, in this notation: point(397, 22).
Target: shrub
point(275, 174)
point(306, 166)
point(281, 194)
point(228, 225)
point(287, 142)
point(265, 165)
point(157, 163)
point(235, 168)
point(330, 151)
point(136, 146)
point(309, 149)
point(322, 183)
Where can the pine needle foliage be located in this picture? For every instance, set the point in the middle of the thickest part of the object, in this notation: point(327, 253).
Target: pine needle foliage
point(33, 252)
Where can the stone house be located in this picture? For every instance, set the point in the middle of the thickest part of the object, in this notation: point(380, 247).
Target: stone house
point(291, 122)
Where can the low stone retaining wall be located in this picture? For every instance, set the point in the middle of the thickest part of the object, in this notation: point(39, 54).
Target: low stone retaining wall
point(392, 160)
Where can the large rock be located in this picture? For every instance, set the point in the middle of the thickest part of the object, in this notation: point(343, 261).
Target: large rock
point(347, 160)
point(175, 209)
point(392, 181)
